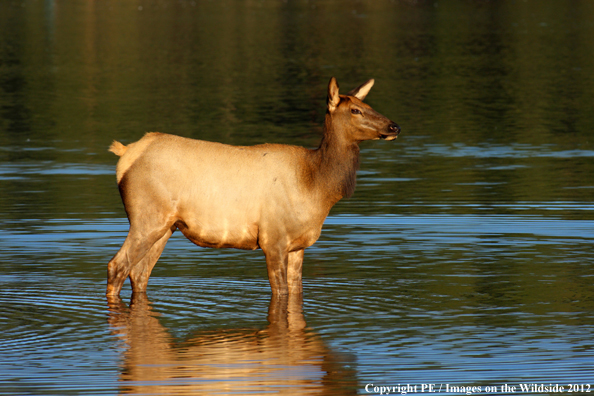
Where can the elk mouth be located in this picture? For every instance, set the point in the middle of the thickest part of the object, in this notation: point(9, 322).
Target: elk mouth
point(393, 132)
point(388, 137)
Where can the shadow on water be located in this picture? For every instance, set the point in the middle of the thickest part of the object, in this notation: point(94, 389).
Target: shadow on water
point(285, 356)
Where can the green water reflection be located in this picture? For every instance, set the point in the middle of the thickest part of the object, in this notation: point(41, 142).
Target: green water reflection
point(494, 97)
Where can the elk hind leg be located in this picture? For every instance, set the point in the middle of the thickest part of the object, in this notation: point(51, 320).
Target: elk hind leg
point(141, 272)
point(135, 247)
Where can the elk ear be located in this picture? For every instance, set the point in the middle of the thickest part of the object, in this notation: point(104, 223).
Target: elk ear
point(362, 90)
point(333, 97)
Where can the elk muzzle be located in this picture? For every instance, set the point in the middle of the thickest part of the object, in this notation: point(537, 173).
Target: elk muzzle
point(392, 132)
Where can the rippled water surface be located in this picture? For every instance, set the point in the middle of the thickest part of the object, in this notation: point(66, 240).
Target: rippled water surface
point(464, 258)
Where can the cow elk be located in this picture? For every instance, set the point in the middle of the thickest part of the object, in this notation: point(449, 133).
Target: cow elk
point(270, 196)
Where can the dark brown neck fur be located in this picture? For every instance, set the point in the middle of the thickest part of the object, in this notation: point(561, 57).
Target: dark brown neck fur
point(336, 163)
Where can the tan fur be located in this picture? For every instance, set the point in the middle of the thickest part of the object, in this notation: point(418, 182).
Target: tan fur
point(131, 152)
point(117, 148)
point(270, 196)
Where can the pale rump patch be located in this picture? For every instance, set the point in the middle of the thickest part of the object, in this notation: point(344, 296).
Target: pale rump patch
point(130, 153)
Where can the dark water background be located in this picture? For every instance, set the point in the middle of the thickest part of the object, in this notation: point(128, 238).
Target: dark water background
point(464, 258)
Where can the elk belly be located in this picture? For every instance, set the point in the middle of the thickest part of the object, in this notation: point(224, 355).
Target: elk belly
point(222, 235)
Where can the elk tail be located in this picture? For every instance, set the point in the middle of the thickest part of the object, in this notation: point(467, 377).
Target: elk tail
point(118, 148)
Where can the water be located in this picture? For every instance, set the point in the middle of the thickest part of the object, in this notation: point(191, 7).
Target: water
point(464, 257)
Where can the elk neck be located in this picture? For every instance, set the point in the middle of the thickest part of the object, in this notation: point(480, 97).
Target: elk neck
point(335, 162)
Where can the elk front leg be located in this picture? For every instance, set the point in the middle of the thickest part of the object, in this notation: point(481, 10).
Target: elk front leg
point(295, 271)
point(277, 261)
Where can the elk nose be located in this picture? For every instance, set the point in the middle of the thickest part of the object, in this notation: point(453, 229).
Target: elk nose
point(394, 128)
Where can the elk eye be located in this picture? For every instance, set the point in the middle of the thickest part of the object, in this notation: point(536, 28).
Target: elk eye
point(355, 111)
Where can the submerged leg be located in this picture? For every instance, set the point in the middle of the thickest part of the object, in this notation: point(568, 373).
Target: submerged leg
point(285, 314)
point(294, 271)
point(140, 273)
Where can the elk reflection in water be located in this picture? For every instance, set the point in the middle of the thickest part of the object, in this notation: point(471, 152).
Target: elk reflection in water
point(284, 357)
